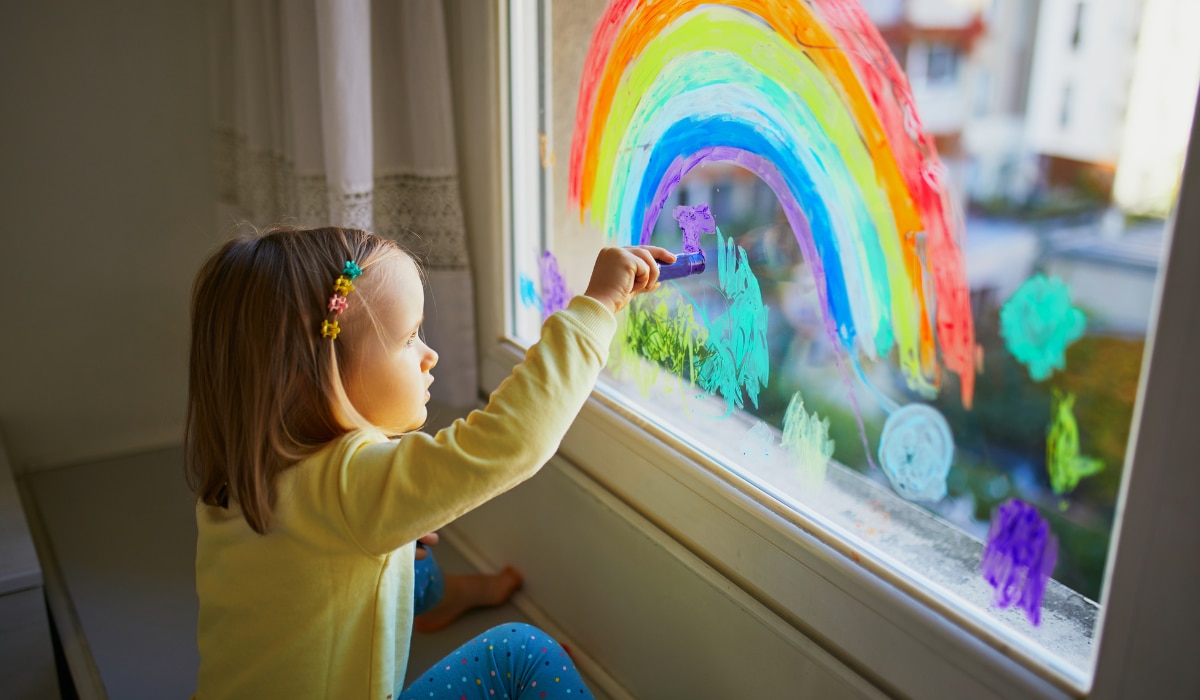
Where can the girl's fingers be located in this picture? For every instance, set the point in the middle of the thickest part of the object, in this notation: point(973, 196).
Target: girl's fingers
point(660, 254)
point(647, 268)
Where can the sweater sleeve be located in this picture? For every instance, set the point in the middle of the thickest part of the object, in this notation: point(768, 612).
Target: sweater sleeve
point(395, 491)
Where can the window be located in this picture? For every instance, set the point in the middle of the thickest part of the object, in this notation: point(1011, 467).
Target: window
point(941, 64)
point(768, 384)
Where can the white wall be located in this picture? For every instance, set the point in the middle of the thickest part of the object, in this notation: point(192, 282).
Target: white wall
point(108, 208)
point(942, 103)
point(1092, 77)
point(1162, 99)
point(943, 13)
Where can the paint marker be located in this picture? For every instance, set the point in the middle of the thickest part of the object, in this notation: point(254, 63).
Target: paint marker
point(684, 265)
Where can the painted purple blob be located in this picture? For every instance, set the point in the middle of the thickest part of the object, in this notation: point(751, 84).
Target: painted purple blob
point(1019, 557)
point(694, 221)
point(554, 288)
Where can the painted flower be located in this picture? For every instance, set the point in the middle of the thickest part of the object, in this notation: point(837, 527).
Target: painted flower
point(916, 451)
point(1063, 458)
point(1038, 323)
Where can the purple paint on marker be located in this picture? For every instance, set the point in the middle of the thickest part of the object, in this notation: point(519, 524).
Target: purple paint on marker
point(1019, 557)
point(554, 288)
point(694, 221)
point(684, 265)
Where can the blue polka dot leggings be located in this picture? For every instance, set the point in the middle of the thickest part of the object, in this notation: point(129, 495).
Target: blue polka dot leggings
point(514, 661)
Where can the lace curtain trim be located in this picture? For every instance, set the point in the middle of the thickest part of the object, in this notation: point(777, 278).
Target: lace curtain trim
point(422, 212)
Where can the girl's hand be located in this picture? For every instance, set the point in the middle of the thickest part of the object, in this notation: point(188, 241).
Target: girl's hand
point(427, 540)
point(622, 273)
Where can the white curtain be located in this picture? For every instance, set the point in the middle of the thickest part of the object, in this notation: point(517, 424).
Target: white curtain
point(338, 112)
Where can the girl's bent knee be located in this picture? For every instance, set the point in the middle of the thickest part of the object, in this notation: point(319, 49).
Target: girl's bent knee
point(515, 661)
point(518, 628)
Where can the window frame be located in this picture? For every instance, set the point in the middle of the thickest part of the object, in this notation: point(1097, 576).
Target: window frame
point(890, 631)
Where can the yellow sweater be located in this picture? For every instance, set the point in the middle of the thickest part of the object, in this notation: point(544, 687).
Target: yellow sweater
point(321, 606)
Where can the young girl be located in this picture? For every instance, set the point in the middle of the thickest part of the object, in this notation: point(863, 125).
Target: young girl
point(308, 378)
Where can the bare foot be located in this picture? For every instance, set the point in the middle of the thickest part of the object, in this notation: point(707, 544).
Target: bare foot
point(464, 592)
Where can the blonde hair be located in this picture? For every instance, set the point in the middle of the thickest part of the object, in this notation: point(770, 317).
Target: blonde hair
point(265, 389)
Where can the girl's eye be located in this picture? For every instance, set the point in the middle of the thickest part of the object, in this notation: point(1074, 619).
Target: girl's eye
point(411, 339)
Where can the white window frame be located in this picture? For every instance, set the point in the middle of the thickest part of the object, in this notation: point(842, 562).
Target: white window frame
point(893, 633)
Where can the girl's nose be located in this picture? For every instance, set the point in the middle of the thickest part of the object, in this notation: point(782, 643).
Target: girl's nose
point(431, 359)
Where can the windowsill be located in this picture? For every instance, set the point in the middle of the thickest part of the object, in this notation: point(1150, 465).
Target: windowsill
point(883, 544)
point(927, 557)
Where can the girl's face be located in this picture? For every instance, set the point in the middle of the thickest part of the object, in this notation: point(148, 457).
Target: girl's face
point(389, 380)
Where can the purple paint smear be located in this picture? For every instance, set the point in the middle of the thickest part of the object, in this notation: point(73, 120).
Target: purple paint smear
point(1019, 557)
point(694, 221)
point(554, 288)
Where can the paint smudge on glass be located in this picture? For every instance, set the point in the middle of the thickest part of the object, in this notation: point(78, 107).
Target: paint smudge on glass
point(758, 440)
point(529, 294)
point(915, 452)
point(544, 152)
point(806, 438)
point(1063, 460)
point(876, 521)
point(1019, 557)
point(694, 221)
point(737, 360)
point(555, 294)
point(663, 330)
point(1038, 323)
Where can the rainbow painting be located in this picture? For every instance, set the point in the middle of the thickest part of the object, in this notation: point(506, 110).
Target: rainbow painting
point(807, 96)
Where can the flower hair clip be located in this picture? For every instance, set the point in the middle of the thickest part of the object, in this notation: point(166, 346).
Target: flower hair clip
point(342, 287)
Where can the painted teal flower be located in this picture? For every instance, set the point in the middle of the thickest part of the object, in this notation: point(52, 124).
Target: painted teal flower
point(351, 269)
point(1038, 323)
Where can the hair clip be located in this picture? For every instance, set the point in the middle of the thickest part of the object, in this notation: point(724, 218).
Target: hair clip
point(338, 303)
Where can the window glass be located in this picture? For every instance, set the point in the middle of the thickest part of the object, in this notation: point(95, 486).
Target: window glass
point(923, 309)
